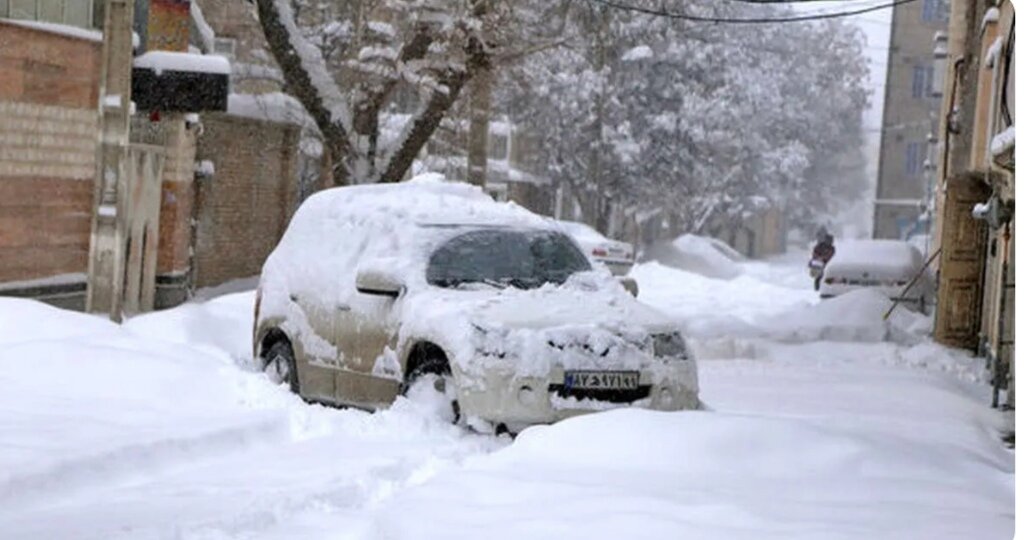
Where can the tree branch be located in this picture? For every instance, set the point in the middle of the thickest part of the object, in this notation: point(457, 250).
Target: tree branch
point(423, 125)
point(309, 81)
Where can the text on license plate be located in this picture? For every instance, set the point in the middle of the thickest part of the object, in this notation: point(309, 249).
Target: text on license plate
point(603, 380)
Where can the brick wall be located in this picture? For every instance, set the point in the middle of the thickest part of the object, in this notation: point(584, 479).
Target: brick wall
point(48, 121)
point(244, 208)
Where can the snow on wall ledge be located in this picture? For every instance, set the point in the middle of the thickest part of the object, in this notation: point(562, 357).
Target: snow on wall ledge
point(59, 29)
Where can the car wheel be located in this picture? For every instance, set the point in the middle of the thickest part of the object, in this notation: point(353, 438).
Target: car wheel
point(281, 366)
point(437, 394)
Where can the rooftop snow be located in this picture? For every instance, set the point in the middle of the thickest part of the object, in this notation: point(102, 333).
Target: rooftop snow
point(177, 61)
point(274, 107)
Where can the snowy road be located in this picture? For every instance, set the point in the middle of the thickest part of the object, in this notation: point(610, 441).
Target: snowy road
point(159, 429)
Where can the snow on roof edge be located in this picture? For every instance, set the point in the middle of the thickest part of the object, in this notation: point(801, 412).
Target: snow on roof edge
point(180, 61)
point(65, 30)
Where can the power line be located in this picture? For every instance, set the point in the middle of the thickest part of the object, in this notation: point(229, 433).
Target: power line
point(792, 1)
point(747, 20)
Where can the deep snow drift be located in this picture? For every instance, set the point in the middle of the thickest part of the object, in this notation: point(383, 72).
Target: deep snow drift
point(161, 429)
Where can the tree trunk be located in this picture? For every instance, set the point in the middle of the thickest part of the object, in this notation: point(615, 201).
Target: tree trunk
point(478, 129)
point(301, 85)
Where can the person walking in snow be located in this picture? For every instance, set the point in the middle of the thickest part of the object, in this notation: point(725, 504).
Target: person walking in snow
point(820, 255)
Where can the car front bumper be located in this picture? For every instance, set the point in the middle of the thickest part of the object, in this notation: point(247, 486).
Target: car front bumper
point(504, 398)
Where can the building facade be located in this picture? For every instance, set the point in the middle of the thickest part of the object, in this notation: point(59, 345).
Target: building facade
point(910, 117)
point(48, 131)
point(220, 187)
point(975, 190)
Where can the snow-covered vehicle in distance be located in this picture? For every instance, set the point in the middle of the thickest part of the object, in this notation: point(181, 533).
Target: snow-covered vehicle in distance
point(431, 288)
point(616, 255)
point(887, 265)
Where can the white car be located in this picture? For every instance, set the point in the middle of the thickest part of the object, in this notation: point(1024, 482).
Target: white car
point(887, 265)
point(617, 256)
point(432, 287)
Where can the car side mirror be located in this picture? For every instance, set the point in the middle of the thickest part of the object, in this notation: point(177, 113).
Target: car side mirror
point(378, 283)
point(630, 285)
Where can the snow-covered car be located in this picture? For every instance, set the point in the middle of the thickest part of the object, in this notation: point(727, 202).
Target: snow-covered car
point(432, 287)
point(616, 255)
point(887, 265)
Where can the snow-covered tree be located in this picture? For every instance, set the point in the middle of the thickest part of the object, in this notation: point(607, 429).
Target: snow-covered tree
point(697, 119)
point(344, 60)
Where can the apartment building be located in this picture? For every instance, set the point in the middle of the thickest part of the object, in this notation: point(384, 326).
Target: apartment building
point(910, 117)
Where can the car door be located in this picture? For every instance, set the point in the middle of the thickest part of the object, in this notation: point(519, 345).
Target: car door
point(365, 336)
point(316, 370)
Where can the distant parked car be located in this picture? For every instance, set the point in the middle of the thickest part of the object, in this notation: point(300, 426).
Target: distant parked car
point(617, 256)
point(887, 265)
point(709, 257)
point(431, 289)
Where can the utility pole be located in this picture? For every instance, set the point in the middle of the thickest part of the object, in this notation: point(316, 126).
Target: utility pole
point(105, 283)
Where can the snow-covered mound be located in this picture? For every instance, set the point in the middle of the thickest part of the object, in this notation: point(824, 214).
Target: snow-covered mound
point(138, 432)
point(855, 316)
point(749, 307)
point(222, 324)
point(89, 406)
point(631, 474)
point(708, 257)
point(712, 307)
point(24, 320)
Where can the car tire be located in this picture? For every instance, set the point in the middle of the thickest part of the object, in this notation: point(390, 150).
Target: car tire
point(434, 373)
point(280, 365)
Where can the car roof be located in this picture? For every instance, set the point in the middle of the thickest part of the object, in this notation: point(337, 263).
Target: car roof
point(890, 258)
point(424, 200)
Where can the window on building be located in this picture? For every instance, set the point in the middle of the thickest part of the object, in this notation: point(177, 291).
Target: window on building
point(928, 89)
point(72, 12)
point(918, 81)
point(497, 146)
point(934, 10)
point(914, 155)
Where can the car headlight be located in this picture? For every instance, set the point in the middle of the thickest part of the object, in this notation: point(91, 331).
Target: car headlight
point(670, 346)
point(489, 342)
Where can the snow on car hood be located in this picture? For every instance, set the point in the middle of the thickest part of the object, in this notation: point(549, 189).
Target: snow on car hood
point(589, 322)
point(551, 306)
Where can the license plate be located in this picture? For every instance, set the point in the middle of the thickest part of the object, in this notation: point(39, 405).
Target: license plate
point(602, 380)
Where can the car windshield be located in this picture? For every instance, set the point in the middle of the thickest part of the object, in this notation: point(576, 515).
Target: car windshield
point(520, 258)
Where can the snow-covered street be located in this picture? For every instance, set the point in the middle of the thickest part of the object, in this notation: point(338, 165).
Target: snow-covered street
point(821, 421)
